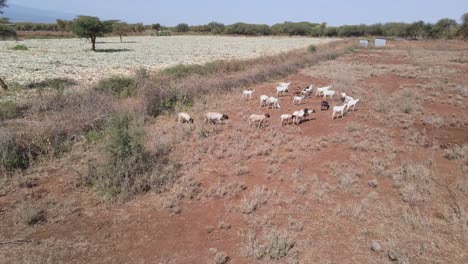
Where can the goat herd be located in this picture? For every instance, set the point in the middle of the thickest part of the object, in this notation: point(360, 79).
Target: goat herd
point(272, 102)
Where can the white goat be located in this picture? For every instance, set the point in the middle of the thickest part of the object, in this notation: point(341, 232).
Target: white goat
point(352, 103)
point(328, 93)
point(284, 84)
point(263, 100)
point(247, 94)
point(258, 119)
point(298, 116)
point(321, 90)
point(214, 118)
point(348, 99)
point(281, 90)
point(298, 99)
point(338, 109)
point(184, 118)
point(273, 102)
point(285, 118)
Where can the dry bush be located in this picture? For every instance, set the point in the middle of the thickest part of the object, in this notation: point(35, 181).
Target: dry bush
point(414, 182)
point(227, 190)
point(456, 152)
point(30, 215)
point(186, 188)
point(277, 245)
point(257, 198)
point(221, 258)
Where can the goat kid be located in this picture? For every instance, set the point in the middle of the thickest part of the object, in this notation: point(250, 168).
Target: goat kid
point(260, 120)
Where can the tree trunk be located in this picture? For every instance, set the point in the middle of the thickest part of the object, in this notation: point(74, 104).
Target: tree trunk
point(3, 84)
point(93, 41)
point(120, 38)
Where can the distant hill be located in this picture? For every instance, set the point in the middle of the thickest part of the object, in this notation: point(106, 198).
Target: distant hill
point(17, 13)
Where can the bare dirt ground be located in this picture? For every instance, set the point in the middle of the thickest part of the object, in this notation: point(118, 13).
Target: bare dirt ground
point(387, 175)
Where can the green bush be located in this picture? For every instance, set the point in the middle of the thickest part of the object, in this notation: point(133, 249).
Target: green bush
point(12, 154)
point(312, 48)
point(20, 47)
point(182, 70)
point(128, 168)
point(117, 86)
point(55, 83)
point(8, 110)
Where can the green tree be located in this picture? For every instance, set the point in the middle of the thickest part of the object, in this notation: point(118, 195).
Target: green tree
point(462, 31)
point(444, 28)
point(121, 29)
point(88, 27)
point(156, 27)
point(139, 27)
point(182, 27)
point(62, 25)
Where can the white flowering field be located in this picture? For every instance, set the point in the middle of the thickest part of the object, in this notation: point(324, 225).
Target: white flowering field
point(72, 58)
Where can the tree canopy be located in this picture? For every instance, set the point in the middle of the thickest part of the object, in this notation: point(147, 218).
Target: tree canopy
point(88, 27)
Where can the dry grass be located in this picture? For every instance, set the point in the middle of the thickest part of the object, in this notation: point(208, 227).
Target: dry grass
point(414, 182)
point(277, 245)
point(257, 198)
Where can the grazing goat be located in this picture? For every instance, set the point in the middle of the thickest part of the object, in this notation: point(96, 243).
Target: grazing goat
point(258, 119)
point(338, 109)
point(308, 90)
point(298, 99)
point(214, 118)
point(324, 105)
point(247, 94)
point(263, 100)
point(281, 90)
point(343, 97)
point(298, 116)
point(347, 99)
point(184, 118)
point(352, 103)
point(285, 118)
point(284, 84)
point(328, 93)
point(321, 90)
point(273, 102)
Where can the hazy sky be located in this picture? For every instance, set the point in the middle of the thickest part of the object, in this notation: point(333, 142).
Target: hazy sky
point(334, 12)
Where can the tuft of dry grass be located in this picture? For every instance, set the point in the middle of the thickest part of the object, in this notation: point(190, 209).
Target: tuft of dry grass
point(257, 198)
point(414, 182)
point(30, 215)
point(277, 245)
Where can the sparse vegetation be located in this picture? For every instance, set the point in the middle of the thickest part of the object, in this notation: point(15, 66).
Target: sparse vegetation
point(117, 86)
point(128, 168)
point(20, 47)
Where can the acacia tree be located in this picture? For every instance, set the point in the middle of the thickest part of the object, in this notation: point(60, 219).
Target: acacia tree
point(121, 29)
point(88, 27)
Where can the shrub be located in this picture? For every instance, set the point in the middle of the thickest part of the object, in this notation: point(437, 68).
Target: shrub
point(312, 48)
point(182, 27)
point(55, 83)
point(456, 152)
point(256, 199)
point(8, 110)
point(31, 215)
point(117, 86)
point(7, 32)
point(12, 154)
point(127, 168)
point(20, 47)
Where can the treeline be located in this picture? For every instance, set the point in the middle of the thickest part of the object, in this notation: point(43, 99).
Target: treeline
point(445, 28)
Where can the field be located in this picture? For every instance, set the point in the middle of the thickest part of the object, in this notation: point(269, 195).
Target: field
point(72, 58)
point(387, 183)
